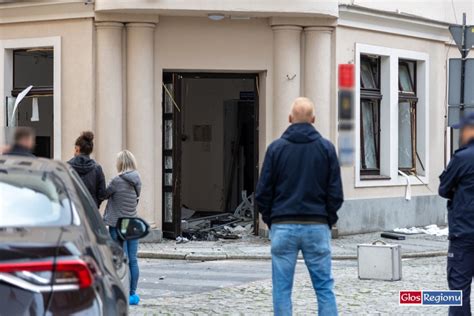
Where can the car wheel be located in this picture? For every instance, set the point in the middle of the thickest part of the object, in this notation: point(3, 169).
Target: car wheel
point(122, 308)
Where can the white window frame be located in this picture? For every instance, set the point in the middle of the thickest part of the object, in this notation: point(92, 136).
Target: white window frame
point(6, 79)
point(389, 119)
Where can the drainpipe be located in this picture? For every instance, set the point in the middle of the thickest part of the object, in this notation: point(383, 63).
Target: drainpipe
point(408, 190)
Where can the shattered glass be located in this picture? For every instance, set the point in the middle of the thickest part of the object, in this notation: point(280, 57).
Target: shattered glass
point(405, 155)
point(168, 207)
point(168, 134)
point(370, 117)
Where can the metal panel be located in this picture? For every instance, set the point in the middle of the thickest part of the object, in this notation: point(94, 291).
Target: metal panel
point(456, 33)
point(470, 37)
point(454, 93)
point(379, 261)
point(469, 82)
point(454, 113)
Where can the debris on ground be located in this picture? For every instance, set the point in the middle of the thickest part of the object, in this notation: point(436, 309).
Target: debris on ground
point(429, 230)
point(181, 240)
point(186, 212)
point(395, 236)
point(220, 226)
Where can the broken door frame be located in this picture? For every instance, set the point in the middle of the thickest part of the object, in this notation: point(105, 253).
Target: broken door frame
point(173, 229)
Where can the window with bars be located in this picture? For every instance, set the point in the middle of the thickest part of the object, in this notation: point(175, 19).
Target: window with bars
point(370, 97)
point(407, 103)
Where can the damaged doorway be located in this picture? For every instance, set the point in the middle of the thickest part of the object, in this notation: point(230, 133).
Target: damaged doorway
point(33, 74)
point(210, 154)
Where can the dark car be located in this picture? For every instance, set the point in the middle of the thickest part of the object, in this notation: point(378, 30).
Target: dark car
point(56, 255)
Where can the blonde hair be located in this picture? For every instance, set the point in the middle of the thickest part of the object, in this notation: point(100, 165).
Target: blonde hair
point(126, 161)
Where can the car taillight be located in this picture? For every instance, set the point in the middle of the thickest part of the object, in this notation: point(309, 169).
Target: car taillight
point(69, 272)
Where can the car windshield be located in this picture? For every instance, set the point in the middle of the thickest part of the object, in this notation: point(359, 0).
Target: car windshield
point(32, 199)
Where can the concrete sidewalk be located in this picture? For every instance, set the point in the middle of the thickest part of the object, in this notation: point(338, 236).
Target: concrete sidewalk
point(253, 247)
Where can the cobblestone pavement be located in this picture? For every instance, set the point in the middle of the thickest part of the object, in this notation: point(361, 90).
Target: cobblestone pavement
point(251, 295)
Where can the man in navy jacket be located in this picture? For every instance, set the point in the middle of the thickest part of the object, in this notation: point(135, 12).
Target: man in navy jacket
point(298, 194)
point(457, 185)
point(23, 142)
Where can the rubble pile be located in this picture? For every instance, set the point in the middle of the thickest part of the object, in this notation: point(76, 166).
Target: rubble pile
point(220, 226)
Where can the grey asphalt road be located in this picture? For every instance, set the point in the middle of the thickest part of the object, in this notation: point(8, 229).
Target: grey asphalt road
point(160, 278)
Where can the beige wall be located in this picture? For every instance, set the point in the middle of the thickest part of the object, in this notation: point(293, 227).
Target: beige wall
point(346, 39)
point(234, 7)
point(199, 44)
point(439, 10)
point(77, 71)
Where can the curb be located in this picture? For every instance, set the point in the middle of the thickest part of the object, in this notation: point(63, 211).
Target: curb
point(226, 256)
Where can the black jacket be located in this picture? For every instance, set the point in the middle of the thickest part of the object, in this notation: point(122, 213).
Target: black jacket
point(457, 185)
point(300, 178)
point(18, 150)
point(92, 175)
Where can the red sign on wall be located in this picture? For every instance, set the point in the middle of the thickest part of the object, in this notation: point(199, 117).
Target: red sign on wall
point(346, 76)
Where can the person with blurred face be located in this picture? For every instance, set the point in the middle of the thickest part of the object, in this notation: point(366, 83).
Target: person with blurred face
point(457, 185)
point(23, 142)
point(298, 194)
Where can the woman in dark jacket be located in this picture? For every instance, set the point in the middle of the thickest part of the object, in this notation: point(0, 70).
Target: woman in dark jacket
point(90, 171)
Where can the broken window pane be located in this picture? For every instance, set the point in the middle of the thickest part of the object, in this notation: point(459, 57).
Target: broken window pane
point(168, 100)
point(168, 207)
point(406, 77)
point(168, 134)
point(370, 134)
point(168, 179)
point(367, 77)
point(405, 148)
point(168, 162)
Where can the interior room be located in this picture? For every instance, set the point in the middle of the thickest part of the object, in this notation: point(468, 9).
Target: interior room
point(218, 144)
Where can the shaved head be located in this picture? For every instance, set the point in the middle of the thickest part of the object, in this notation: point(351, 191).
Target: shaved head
point(302, 111)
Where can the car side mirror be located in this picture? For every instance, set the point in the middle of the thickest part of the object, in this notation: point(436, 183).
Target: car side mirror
point(129, 228)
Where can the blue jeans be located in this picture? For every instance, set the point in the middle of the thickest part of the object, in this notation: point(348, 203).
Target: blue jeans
point(314, 240)
point(130, 247)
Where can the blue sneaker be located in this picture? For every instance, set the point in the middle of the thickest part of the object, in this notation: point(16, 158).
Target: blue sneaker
point(134, 299)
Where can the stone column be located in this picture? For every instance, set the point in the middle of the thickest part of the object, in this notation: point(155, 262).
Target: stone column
point(286, 73)
point(109, 100)
point(317, 75)
point(140, 109)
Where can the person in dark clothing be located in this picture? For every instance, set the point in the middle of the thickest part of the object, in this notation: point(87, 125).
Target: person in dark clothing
point(23, 142)
point(457, 185)
point(88, 169)
point(299, 193)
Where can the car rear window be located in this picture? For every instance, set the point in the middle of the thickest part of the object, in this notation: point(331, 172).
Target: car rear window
point(33, 199)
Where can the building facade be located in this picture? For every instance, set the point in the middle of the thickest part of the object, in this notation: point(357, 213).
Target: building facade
point(197, 90)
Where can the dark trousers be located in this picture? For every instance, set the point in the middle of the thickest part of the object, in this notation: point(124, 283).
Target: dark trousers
point(460, 273)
